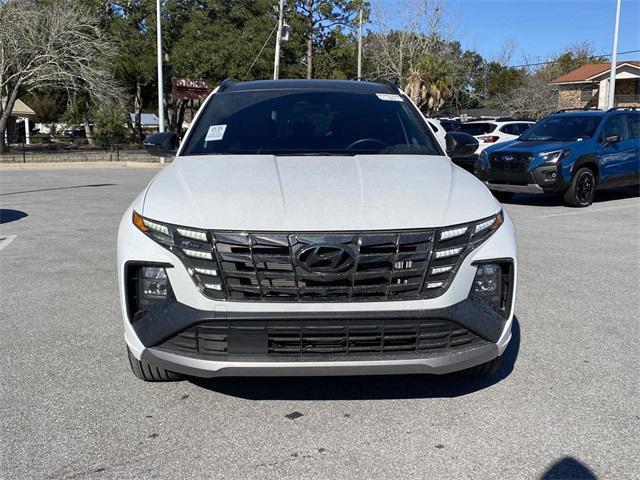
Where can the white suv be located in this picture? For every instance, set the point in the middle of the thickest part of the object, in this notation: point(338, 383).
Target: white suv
point(313, 227)
point(490, 132)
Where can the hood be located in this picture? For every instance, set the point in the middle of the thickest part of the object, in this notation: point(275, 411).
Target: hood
point(327, 193)
point(536, 146)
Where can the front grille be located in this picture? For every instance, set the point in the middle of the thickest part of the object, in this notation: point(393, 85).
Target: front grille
point(325, 267)
point(510, 161)
point(383, 266)
point(321, 338)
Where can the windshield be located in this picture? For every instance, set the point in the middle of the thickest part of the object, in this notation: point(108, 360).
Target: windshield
point(477, 128)
point(563, 128)
point(309, 122)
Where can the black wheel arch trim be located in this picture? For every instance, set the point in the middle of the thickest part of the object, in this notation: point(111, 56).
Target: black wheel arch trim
point(586, 159)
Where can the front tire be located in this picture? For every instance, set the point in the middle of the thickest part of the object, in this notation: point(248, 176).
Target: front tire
point(582, 189)
point(150, 373)
point(502, 196)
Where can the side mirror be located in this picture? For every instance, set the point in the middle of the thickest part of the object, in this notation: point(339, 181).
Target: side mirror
point(163, 144)
point(460, 145)
point(611, 139)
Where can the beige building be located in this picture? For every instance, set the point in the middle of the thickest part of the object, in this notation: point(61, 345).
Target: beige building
point(19, 127)
point(588, 86)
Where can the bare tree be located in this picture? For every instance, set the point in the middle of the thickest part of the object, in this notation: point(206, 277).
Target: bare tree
point(406, 31)
point(536, 96)
point(533, 99)
point(50, 44)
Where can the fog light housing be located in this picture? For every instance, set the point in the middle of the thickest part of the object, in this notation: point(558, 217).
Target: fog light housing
point(147, 285)
point(154, 283)
point(487, 282)
point(494, 284)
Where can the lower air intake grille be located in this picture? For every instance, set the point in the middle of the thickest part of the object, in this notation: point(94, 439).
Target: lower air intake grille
point(321, 338)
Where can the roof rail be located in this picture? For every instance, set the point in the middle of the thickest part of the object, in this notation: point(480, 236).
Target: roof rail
point(623, 108)
point(583, 109)
point(504, 119)
point(225, 84)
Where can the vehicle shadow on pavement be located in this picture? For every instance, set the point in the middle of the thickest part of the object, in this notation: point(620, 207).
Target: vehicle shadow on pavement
point(555, 199)
point(59, 188)
point(376, 387)
point(8, 215)
point(568, 467)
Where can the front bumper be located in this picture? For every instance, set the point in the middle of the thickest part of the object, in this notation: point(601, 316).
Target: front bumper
point(145, 337)
point(529, 188)
point(536, 178)
point(211, 368)
point(182, 339)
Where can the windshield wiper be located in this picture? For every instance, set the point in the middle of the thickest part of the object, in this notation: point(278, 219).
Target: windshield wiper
point(314, 154)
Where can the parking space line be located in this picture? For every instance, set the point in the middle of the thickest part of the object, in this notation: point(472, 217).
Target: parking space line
point(4, 241)
point(590, 210)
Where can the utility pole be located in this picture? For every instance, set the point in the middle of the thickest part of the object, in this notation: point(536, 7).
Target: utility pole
point(159, 48)
point(276, 62)
point(360, 48)
point(614, 55)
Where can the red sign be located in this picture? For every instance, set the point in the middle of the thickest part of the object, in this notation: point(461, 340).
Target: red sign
point(187, 89)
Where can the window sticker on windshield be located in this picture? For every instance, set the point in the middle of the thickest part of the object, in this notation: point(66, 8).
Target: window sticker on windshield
point(389, 97)
point(215, 132)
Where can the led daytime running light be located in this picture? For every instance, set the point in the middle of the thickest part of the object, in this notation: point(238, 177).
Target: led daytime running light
point(450, 252)
point(197, 254)
point(194, 234)
point(453, 233)
point(156, 226)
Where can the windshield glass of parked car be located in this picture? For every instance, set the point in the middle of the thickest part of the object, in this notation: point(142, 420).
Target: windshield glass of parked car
point(563, 128)
point(309, 122)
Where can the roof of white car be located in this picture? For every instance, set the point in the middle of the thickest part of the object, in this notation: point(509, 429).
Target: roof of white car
point(497, 122)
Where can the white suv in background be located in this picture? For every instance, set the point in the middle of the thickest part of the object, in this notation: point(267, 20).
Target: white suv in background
point(490, 132)
point(313, 227)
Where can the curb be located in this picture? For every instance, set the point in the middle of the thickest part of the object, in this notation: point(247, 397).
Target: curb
point(69, 165)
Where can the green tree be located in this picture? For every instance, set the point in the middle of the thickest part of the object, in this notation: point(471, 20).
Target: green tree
point(323, 17)
point(130, 26)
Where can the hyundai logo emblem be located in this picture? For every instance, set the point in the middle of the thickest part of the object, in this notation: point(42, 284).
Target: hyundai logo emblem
point(507, 158)
point(326, 258)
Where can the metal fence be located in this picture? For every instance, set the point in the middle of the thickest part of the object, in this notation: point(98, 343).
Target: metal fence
point(70, 148)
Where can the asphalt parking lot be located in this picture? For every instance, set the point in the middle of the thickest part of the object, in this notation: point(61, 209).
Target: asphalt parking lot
point(564, 405)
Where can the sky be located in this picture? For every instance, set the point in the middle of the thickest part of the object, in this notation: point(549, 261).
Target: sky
point(540, 28)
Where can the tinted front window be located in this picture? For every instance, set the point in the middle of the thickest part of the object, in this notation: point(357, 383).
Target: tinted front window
point(477, 128)
point(563, 128)
point(449, 126)
point(299, 122)
point(633, 123)
point(510, 129)
point(523, 127)
point(615, 127)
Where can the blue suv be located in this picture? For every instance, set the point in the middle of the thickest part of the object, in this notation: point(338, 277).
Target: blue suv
point(572, 152)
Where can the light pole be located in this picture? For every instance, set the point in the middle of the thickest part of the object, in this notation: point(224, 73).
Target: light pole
point(360, 48)
point(276, 63)
point(614, 55)
point(160, 86)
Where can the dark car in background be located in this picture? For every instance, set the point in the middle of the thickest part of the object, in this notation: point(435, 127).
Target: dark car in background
point(571, 152)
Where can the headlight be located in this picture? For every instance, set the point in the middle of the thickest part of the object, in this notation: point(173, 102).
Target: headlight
point(193, 248)
point(555, 156)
